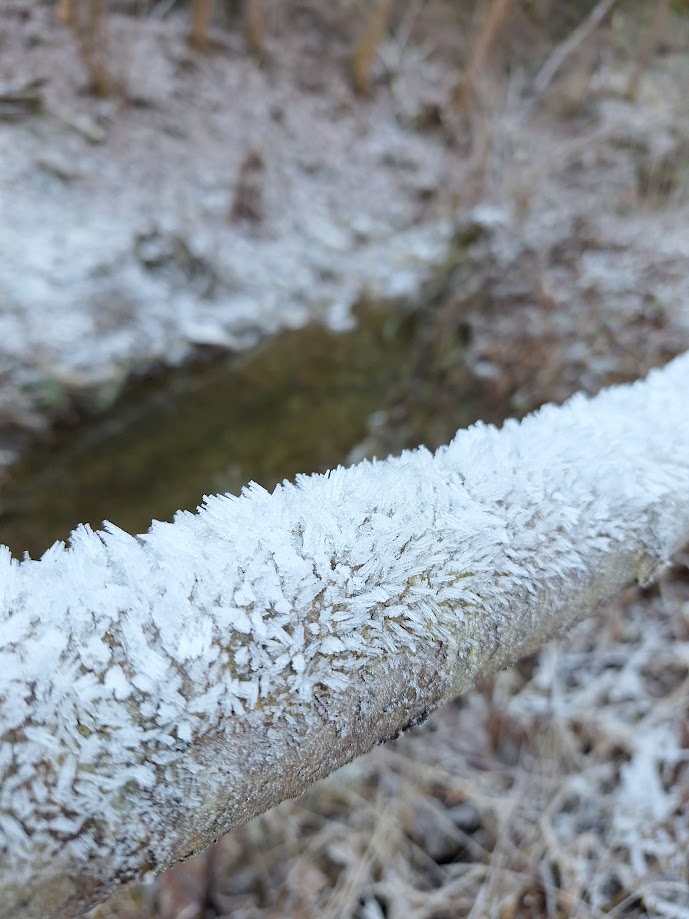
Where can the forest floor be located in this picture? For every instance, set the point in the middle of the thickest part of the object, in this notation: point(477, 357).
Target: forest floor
point(211, 200)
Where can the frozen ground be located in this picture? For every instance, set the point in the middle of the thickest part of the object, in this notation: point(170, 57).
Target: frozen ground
point(213, 200)
point(211, 203)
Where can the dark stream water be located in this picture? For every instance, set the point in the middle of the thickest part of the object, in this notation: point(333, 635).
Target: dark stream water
point(299, 402)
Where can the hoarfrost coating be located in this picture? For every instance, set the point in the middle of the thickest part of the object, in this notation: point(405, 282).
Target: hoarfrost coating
point(153, 688)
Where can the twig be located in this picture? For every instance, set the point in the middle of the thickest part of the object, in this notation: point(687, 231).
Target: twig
point(158, 691)
point(366, 48)
point(201, 15)
point(254, 27)
point(89, 21)
point(565, 49)
point(21, 100)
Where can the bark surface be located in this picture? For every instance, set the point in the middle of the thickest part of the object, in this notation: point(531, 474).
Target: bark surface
point(157, 691)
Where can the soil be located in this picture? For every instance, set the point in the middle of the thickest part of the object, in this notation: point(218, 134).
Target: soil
point(214, 199)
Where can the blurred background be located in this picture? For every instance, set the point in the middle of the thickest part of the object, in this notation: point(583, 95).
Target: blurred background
point(239, 241)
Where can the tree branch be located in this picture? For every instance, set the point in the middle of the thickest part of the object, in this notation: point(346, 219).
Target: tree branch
point(157, 691)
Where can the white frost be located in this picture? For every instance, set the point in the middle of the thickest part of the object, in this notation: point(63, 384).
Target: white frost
point(119, 652)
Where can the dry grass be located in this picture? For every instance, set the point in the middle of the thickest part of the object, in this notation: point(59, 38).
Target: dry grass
point(372, 25)
point(485, 39)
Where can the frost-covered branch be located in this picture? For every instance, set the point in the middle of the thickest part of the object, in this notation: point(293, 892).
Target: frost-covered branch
point(157, 691)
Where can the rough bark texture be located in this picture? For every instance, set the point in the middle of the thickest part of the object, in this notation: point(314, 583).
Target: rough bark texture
point(157, 691)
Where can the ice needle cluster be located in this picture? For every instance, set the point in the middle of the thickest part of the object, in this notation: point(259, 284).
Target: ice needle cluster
point(125, 659)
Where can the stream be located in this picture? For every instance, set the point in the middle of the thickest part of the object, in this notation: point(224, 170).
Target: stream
point(298, 402)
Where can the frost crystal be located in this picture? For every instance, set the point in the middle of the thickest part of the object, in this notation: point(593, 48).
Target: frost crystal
point(119, 654)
